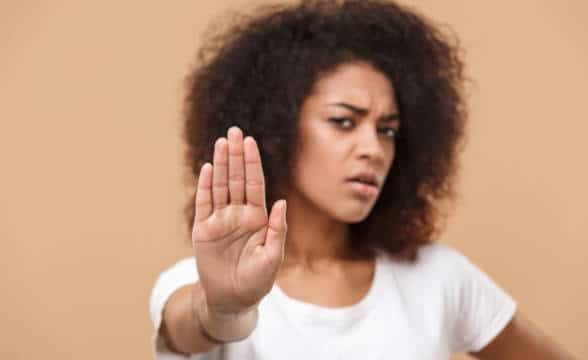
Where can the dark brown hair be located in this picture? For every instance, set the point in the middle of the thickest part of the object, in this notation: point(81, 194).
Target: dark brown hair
point(256, 73)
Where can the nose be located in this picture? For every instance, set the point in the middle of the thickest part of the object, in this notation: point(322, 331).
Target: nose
point(369, 145)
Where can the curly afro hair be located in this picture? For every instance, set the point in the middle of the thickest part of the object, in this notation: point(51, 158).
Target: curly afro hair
point(256, 73)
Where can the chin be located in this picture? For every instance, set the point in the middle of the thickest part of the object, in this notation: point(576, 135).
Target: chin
point(353, 216)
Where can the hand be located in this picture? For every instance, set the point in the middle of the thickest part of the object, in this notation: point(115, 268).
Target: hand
point(238, 250)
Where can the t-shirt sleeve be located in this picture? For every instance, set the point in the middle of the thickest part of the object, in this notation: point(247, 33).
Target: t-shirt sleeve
point(171, 279)
point(480, 307)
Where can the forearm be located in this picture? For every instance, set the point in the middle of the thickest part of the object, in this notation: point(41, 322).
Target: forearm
point(180, 328)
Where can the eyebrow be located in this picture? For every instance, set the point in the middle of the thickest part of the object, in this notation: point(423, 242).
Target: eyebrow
point(363, 112)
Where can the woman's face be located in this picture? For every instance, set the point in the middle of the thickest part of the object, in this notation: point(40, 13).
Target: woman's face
point(347, 126)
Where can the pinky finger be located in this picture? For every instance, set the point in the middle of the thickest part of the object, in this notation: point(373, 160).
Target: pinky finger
point(203, 203)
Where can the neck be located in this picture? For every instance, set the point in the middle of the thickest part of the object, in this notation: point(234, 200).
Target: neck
point(314, 239)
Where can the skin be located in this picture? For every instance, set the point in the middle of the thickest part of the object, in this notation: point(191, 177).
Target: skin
point(318, 225)
point(320, 207)
point(347, 124)
point(240, 249)
point(522, 339)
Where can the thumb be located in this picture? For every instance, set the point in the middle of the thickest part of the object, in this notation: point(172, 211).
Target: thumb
point(276, 233)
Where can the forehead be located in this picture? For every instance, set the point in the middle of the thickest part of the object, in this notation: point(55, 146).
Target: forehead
point(358, 82)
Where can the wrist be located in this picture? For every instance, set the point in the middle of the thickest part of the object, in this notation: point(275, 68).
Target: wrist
point(222, 328)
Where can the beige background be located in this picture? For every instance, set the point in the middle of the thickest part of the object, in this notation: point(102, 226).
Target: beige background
point(91, 180)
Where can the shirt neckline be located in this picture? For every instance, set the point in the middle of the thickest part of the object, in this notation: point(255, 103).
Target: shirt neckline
point(304, 312)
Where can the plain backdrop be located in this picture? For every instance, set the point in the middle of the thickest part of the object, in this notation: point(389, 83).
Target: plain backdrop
point(91, 176)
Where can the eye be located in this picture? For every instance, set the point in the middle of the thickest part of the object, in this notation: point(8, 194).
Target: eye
point(346, 123)
point(389, 132)
point(340, 121)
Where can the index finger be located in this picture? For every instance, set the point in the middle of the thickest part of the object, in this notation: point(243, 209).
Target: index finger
point(254, 179)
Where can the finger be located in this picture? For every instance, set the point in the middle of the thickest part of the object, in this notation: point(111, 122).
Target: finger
point(220, 191)
point(236, 169)
point(203, 202)
point(254, 179)
point(276, 232)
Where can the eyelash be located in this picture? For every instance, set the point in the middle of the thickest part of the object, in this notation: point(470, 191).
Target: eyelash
point(339, 120)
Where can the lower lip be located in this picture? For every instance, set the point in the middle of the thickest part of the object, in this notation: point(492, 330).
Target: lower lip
point(363, 190)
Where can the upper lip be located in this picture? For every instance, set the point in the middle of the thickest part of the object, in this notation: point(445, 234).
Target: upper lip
point(366, 175)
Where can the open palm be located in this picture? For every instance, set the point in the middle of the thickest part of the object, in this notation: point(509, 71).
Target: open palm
point(238, 249)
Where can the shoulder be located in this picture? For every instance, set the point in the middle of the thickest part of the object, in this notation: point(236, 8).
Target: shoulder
point(435, 259)
point(173, 277)
point(446, 271)
point(436, 252)
point(182, 271)
point(475, 307)
point(187, 263)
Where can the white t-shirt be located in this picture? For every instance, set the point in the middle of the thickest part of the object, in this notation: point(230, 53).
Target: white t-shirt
point(439, 305)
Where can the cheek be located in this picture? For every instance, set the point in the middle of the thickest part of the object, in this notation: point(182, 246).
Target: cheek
point(322, 149)
point(390, 154)
point(318, 172)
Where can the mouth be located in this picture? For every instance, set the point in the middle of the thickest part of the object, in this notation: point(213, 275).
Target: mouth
point(365, 181)
point(366, 177)
point(369, 183)
point(364, 189)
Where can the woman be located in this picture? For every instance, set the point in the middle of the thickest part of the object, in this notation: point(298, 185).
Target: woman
point(350, 115)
